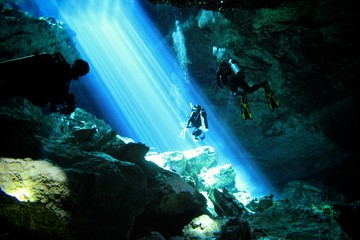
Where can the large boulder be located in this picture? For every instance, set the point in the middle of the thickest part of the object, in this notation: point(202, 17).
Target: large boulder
point(89, 200)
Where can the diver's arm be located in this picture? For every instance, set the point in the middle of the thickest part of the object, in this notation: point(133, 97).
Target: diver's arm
point(189, 123)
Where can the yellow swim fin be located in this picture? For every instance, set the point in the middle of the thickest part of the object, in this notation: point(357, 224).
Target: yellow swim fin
point(270, 97)
point(245, 108)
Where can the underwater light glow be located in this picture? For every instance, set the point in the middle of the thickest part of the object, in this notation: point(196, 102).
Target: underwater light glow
point(28, 180)
point(21, 194)
point(139, 86)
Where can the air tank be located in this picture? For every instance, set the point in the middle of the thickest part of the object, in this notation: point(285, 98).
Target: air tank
point(204, 121)
point(234, 65)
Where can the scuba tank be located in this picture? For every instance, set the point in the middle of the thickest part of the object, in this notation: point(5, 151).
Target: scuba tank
point(204, 121)
point(234, 65)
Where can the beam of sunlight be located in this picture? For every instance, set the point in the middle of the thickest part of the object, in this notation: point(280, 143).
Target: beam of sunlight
point(139, 87)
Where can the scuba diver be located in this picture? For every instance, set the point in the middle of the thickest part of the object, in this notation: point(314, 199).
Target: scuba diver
point(230, 74)
point(198, 121)
point(44, 79)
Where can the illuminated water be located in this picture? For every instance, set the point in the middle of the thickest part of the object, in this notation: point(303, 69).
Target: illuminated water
point(139, 85)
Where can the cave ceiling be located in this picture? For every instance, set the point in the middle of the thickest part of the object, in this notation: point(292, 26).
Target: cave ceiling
point(221, 5)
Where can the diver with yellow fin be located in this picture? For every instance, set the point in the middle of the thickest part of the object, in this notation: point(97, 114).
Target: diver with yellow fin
point(230, 74)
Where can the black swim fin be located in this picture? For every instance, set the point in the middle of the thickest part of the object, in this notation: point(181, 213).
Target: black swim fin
point(245, 108)
point(270, 97)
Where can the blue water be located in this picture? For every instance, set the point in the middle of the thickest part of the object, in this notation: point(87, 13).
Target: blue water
point(140, 85)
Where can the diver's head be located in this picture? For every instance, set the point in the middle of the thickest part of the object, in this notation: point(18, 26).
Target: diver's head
point(223, 63)
point(80, 68)
point(196, 108)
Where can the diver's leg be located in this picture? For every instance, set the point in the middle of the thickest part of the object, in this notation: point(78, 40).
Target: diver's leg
point(245, 86)
point(196, 133)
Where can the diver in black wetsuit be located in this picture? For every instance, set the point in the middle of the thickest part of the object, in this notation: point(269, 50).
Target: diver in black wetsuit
point(198, 121)
point(43, 79)
point(230, 74)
